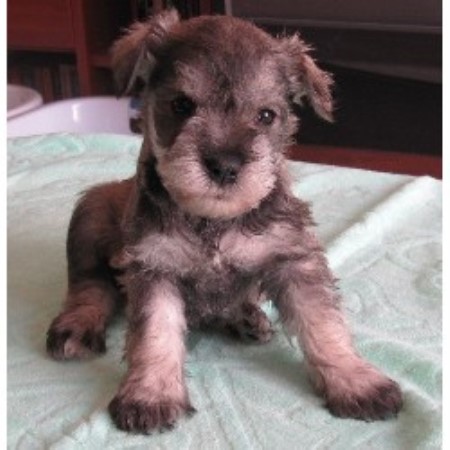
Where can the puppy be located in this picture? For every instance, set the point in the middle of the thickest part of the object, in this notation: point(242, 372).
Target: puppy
point(208, 228)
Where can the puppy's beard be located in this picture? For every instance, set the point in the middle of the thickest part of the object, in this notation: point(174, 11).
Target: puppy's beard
point(189, 185)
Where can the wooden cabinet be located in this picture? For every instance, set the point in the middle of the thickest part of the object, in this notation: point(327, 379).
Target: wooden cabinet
point(84, 29)
point(40, 24)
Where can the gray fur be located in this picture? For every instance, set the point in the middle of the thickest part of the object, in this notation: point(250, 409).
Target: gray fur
point(208, 227)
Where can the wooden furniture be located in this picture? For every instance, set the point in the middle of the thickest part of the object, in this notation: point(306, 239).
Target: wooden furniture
point(369, 159)
point(82, 28)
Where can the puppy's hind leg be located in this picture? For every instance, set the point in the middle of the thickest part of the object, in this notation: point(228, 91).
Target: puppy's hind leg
point(79, 330)
point(93, 295)
point(251, 323)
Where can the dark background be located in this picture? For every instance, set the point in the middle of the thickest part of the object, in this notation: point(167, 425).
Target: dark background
point(379, 112)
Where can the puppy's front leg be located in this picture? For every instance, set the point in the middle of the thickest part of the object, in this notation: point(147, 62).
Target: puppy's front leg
point(309, 307)
point(153, 393)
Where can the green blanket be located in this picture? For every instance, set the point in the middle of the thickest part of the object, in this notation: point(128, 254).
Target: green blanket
point(383, 237)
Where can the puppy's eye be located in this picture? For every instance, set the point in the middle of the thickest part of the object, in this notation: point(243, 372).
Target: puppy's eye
point(183, 106)
point(266, 116)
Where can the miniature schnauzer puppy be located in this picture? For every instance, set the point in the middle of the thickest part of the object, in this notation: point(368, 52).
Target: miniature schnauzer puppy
point(208, 228)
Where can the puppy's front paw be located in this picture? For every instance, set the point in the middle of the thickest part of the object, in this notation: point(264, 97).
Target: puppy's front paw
point(140, 417)
point(70, 338)
point(380, 401)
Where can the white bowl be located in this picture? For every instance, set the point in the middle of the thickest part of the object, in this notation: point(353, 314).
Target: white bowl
point(78, 115)
point(22, 99)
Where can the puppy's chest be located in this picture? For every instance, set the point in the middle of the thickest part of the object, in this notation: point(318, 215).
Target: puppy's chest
point(214, 272)
point(185, 257)
point(208, 259)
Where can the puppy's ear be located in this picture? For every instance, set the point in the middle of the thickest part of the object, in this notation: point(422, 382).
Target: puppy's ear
point(305, 78)
point(134, 56)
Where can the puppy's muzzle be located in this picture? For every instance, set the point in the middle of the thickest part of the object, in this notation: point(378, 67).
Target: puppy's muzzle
point(223, 168)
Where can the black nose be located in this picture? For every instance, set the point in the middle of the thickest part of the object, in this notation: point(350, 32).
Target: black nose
point(224, 168)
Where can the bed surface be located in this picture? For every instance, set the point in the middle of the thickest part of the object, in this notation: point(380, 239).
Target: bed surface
point(382, 233)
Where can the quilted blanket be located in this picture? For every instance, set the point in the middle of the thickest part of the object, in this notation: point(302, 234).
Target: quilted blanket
point(382, 233)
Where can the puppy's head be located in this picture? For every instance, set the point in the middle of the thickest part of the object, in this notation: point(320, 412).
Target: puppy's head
point(217, 111)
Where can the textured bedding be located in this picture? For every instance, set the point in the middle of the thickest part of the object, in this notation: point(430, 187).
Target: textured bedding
point(382, 233)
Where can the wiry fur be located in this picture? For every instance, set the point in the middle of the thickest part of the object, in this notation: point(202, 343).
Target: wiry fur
point(208, 228)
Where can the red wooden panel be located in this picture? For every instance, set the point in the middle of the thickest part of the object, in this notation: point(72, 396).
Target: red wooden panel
point(395, 162)
point(40, 25)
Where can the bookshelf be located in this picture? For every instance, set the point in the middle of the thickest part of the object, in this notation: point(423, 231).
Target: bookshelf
point(61, 47)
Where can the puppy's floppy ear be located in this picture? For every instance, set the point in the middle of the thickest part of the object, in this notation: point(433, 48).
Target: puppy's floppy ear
point(305, 78)
point(134, 56)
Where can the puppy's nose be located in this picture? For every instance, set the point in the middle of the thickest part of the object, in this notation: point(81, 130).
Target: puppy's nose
point(223, 169)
